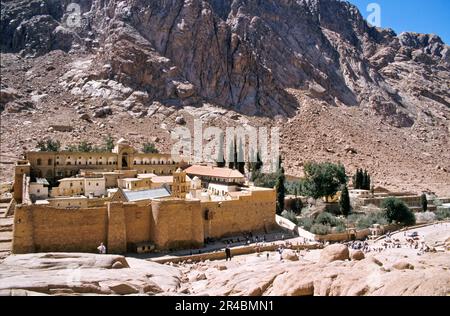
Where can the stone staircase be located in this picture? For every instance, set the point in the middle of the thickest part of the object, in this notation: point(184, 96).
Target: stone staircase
point(6, 231)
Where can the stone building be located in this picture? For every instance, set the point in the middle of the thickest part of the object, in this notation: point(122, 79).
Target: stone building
point(91, 206)
point(58, 165)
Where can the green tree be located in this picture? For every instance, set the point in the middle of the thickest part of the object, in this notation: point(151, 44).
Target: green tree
point(357, 180)
point(85, 147)
point(220, 156)
point(297, 205)
point(364, 180)
point(240, 161)
point(424, 202)
point(397, 211)
point(280, 189)
point(149, 148)
point(49, 145)
point(109, 143)
point(232, 155)
point(344, 202)
point(369, 184)
point(322, 179)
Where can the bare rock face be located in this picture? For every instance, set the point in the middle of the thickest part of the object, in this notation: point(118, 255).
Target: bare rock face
point(240, 54)
point(334, 252)
point(73, 273)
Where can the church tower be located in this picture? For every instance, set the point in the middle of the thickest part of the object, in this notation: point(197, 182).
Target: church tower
point(179, 184)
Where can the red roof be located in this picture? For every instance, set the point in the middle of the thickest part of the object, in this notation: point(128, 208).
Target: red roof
point(211, 171)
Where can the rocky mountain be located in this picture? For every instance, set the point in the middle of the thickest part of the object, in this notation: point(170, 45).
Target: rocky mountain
point(268, 61)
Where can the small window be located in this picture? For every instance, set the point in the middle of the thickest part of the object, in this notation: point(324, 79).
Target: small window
point(49, 162)
point(39, 162)
point(38, 191)
point(96, 184)
point(71, 184)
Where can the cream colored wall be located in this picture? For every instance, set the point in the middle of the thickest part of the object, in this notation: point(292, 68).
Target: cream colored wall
point(38, 191)
point(95, 186)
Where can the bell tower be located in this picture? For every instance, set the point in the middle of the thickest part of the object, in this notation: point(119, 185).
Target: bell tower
point(22, 168)
point(179, 184)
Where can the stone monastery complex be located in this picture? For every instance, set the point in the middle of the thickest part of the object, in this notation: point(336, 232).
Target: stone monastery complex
point(130, 201)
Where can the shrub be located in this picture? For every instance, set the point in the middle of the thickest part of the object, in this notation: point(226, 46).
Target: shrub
point(442, 213)
point(340, 228)
point(397, 211)
point(305, 222)
point(366, 221)
point(290, 216)
point(266, 180)
point(149, 148)
point(320, 229)
point(326, 218)
point(49, 145)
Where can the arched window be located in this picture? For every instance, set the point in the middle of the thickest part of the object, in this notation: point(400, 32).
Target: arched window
point(39, 161)
point(49, 162)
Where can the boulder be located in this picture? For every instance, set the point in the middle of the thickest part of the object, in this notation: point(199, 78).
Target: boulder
point(334, 253)
point(357, 255)
point(290, 255)
point(85, 117)
point(180, 120)
point(402, 265)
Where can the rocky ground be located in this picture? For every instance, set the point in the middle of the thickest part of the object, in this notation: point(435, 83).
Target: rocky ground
point(333, 271)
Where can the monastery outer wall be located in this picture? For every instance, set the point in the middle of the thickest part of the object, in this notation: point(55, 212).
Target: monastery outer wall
point(169, 223)
point(45, 229)
point(177, 223)
point(255, 212)
point(40, 228)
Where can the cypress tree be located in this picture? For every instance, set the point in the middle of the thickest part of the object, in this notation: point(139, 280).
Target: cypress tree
point(240, 161)
point(220, 156)
point(232, 155)
point(364, 180)
point(344, 202)
point(424, 202)
point(358, 179)
point(280, 189)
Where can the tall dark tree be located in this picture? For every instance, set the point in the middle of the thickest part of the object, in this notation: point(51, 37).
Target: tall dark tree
point(220, 156)
point(256, 167)
point(344, 202)
point(364, 183)
point(240, 161)
point(280, 189)
point(424, 202)
point(358, 179)
point(232, 155)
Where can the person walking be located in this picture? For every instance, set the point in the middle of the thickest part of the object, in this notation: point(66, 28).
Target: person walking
point(101, 249)
point(228, 253)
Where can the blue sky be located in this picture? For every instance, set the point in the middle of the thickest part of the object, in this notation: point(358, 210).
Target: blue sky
point(421, 16)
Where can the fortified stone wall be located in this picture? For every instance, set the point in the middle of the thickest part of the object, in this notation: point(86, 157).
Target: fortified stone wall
point(169, 223)
point(255, 212)
point(177, 223)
